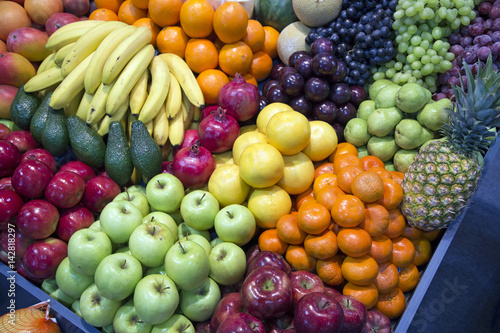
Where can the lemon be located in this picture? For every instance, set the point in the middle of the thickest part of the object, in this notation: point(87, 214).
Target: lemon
point(323, 141)
point(245, 140)
point(298, 174)
point(288, 131)
point(268, 205)
point(267, 112)
point(261, 165)
point(223, 158)
point(227, 186)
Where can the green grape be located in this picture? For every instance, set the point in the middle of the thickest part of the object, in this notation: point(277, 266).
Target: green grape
point(427, 36)
point(446, 65)
point(411, 57)
point(428, 14)
point(415, 40)
point(464, 11)
point(409, 21)
point(406, 67)
point(412, 79)
point(416, 73)
point(405, 77)
point(455, 24)
point(432, 24)
point(437, 33)
point(398, 39)
point(398, 14)
point(438, 45)
point(431, 81)
point(427, 69)
point(378, 76)
point(398, 66)
point(420, 82)
point(424, 27)
point(435, 59)
point(459, 3)
point(464, 20)
point(406, 36)
point(446, 31)
point(419, 6)
point(472, 15)
point(412, 29)
point(424, 44)
point(411, 48)
point(397, 25)
point(451, 15)
point(402, 29)
point(419, 52)
point(442, 53)
point(411, 12)
point(375, 70)
point(442, 12)
point(416, 65)
point(431, 52)
point(425, 59)
point(397, 78)
point(406, 4)
point(449, 56)
point(432, 3)
point(446, 3)
point(402, 47)
point(390, 72)
point(400, 57)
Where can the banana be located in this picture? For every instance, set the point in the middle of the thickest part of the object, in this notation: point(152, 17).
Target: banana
point(44, 80)
point(118, 116)
point(70, 86)
point(128, 78)
point(121, 55)
point(86, 24)
point(93, 76)
point(72, 106)
point(139, 93)
point(47, 63)
point(97, 108)
point(88, 43)
point(149, 126)
point(65, 37)
point(188, 110)
point(160, 127)
point(160, 82)
point(174, 97)
point(62, 52)
point(130, 119)
point(84, 106)
point(176, 128)
point(185, 76)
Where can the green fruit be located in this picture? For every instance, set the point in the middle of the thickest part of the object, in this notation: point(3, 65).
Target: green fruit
point(376, 86)
point(365, 108)
point(412, 97)
point(381, 122)
point(55, 137)
point(386, 97)
point(403, 159)
point(117, 159)
point(145, 152)
point(40, 117)
point(383, 148)
point(362, 151)
point(23, 108)
point(408, 134)
point(275, 13)
point(87, 144)
point(356, 132)
point(434, 114)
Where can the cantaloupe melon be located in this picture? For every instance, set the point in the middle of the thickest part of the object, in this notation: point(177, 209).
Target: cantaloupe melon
point(315, 13)
point(292, 38)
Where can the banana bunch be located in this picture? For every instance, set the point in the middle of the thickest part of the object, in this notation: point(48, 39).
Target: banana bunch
point(105, 71)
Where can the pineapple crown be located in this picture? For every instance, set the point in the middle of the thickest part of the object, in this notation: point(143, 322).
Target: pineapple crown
point(471, 127)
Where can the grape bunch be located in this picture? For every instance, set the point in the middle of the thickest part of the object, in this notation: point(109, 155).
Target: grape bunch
point(472, 43)
point(422, 28)
point(362, 34)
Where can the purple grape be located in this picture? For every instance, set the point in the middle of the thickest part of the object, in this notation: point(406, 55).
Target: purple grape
point(449, 94)
point(301, 104)
point(464, 31)
point(455, 38)
point(346, 112)
point(340, 93)
point(487, 26)
point(495, 25)
point(453, 81)
point(286, 70)
point(325, 111)
point(277, 94)
point(495, 36)
point(457, 50)
point(322, 45)
point(324, 63)
point(292, 84)
point(316, 89)
point(470, 56)
point(439, 96)
point(268, 85)
point(443, 78)
point(495, 12)
point(467, 40)
point(358, 95)
point(275, 71)
point(340, 74)
point(478, 19)
point(476, 29)
point(304, 67)
point(297, 55)
point(484, 8)
point(454, 71)
point(495, 49)
point(483, 53)
point(339, 129)
point(482, 40)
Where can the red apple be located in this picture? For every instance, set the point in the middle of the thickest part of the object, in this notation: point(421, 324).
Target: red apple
point(21, 269)
point(57, 20)
point(228, 305)
point(99, 191)
point(42, 155)
point(80, 168)
point(242, 323)
point(16, 239)
point(202, 327)
point(6, 184)
point(65, 189)
point(4, 130)
point(303, 283)
point(76, 7)
point(332, 292)
point(22, 139)
point(28, 42)
point(269, 258)
point(10, 156)
point(377, 322)
point(72, 220)
point(37, 219)
point(42, 257)
point(10, 204)
point(354, 314)
point(30, 179)
point(319, 313)
point(281, 324)
point(251, 252)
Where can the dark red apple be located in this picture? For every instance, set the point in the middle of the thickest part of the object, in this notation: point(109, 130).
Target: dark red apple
point(280, 324)
point(332, 292)
point(224, 290)
point(190, 137)
point(377, 322)
point(31, 178)
point(76, 7)
point(303, 283)
point(354, 314)
point(269, 258)
point(57, 20)
point(228, 305)
point(319, 313)
point(21, 270)
point(65, 189)
point(6, 183)
point(22, 139)
point(267, 292)
point(42, 155)
point(202, 327)
point(80, 168)
point(42, 257)
point(37, 219)
point(10, 204)
point(72, 220)
point(15, 239)
point(10, 156)
point(4, 131)
point(251, 252)
point(242, 323)
point(99, 191)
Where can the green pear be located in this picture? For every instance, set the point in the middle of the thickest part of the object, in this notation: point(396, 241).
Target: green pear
point(382, 121)
point(426, 135)
point(408, 134)
point(383, 148)
point(376, 86)
point(362, 151)
point(356, 132)
point(365, 108)
point(389, 165)
point(412, 97)
point(386, 97)
point(404, 158)
point(434, 114)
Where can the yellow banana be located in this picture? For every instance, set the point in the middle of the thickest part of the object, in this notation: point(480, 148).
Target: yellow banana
point(149, 127)
point(93, 76)
point(139, 93)
point(70, 86)
point(44, 80)
point(84, 106)
point(72, 106)
point(185, 76)
point(86, 24)
point(160, 127)
point(97, 108)
point(67, 36)
point(128, 78)
point(130, 119)
point(176, 128)
point(174, 97)
point(125, 51)
point(160, 82)
point(62, 52)
point(47, 63)
point(118, 116)
point(88, 43)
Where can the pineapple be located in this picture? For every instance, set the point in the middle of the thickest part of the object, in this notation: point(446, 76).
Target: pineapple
point(445, 173)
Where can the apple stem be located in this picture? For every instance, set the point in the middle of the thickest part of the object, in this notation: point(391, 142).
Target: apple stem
point(229, 214)
point(159, 184)
point(201, 199)
point(124, 264)
point(187, 234)
point(128, 194)
point(182, 248)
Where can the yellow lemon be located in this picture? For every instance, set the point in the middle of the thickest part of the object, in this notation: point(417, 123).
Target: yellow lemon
point(261, 165)
point(245, 140)
point(268, 205)
point(288, 131)
point(227, 186)
point(323, 141)
point(298, 174)
point(267, 112)
point(223, 158)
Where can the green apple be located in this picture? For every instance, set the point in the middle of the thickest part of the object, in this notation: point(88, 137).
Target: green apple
point(155, 298)
point(199, 304)
point(75, 307)
point(96, 309)
point(119, 219)
point(150, 242)
point(215, 241)
point(200, 240)
point(164, 218)
point(176, 215)
point(123, 249)
point(137, 188)
point(227, 263)
point(156, 270)
point(86, 249)
point(176, 323)
point(117, 275)
point(186, 263)
point(183, 229)
point(96, 225)
point(126, 320)
point(108, 329)
point(165, 192)
point(235, 223)
point(70, 281)
point(50, 287)
point(198, 209)
point(137, 198)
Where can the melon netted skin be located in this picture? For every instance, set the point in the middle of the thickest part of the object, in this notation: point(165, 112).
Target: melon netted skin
point(275, 13)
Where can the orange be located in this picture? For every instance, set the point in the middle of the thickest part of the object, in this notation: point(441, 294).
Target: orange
point(381, 171)
point(396, 225)
point(391, 304)
point(271, 41)
point(112, 5)
point(368, 186)
point(344, 160)
point(235, 58)
point(165, 12)
point(254, 35)
point(422, 251)
point(411, 232)
point(432, 235)
point(323, 180)
point(346, 175)
point(269, 241)
point(210, 81)
point(304, 197)
point(201, 54)
point(143, 4)
point(299, 259)
point(149, 23)
point(103, 14)
point(368, 295)
point(348, 211)
point(387, 279)
point(360, 271)
point(289, 231)
point(196, 18)
point(230, 22)
point(321, 246)
point(325, 167)
point(397, 176)
point(370, 161)
point(403, 252)
point(249, 78)
point(261, 67)
point(313, 218)
point(328, 195)
point(172, 40)
point(408, 278)
point(329, 270)
point(129, 13)
point(376, 219)
point(343, 148)
point(381, 249)
point(393, 194)
point(354, 242)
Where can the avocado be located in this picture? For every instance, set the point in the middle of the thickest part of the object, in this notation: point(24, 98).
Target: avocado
point(145, 152)
point(40, 117)
point(87, 144)
point(55, 133)
point(117, 160)
point(23, 108)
